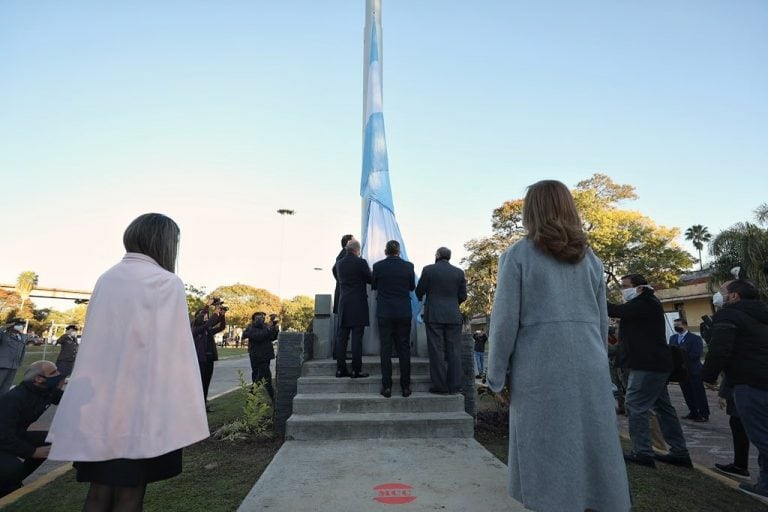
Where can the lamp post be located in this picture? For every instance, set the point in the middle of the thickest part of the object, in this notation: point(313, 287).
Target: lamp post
point(283, 212)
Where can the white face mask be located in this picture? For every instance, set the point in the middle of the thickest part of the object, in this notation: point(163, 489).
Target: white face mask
point(717, 300)
point(629, 294)
point(18, 328)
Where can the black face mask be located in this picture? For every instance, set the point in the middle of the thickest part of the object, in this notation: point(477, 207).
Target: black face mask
point(679, 329)
point(258, 322)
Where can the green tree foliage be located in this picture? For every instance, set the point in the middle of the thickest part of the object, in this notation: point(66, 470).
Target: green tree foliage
point(297, 314)
point(195, 299)
point(625, 240)
point(742, 245)
point(761, 214)
point(244, 300)
point(10, 302)
point(25, 283)
point(698, 235)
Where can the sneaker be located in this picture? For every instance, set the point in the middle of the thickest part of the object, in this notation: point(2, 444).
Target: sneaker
point(637, 458)
point(753, 491)
point(676, 460)
point(732, 470)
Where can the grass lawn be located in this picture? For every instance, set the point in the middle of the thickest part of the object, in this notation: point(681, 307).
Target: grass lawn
point(666, 488)
point(229, 352)
point(33, 354)
point(217, 475)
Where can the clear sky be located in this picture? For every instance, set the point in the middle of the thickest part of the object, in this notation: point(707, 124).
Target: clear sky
point(218, 113)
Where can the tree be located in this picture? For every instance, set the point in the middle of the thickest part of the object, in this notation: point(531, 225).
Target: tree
point(626, 241)
point(297, 314)
point(698, 235)
point(742, 245)
point(761, 214)
point(195, 300)
point(25, 283)
point(244, 300)
point(9, 305)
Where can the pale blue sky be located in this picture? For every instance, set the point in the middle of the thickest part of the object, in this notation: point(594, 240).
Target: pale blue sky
point(220, 112)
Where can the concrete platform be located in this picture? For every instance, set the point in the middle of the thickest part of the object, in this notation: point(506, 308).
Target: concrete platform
point(451, 475)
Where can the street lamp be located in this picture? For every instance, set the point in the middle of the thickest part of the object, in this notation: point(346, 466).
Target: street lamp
point(283, 212)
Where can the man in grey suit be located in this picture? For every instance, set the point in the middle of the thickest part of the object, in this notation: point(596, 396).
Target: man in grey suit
point(445, 288)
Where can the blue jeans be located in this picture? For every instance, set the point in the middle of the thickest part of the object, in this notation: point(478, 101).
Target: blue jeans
point(752, 405)
point(646, 391)
point(479, 362)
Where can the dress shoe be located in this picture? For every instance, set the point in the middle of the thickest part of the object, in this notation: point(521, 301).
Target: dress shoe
point(358, 375)
point(386, 392)
point(342, 373)
point(689, 416)
point(637, 458)
point(684, 461)
point(406, 391)
point(701, 419)
point(438, 391)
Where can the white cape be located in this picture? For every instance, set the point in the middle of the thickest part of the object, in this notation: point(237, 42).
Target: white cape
point(135, 392)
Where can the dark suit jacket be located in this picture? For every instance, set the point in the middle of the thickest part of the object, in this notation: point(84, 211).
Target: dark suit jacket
point(693, 346)
point(393, 279)
point(445, 288)
point(336, 289)
point(642, 334)
point(353, 274)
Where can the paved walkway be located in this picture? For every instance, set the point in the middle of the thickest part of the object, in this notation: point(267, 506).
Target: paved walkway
point(224, 379)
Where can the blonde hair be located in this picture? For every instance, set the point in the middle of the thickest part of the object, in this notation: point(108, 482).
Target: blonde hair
point(552, 221)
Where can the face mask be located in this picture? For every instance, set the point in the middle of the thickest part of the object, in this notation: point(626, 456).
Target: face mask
point(72, 333)
point(18, 328)
point(629, 294)
point(679, 329)
point(717, 300)
point(53, 381)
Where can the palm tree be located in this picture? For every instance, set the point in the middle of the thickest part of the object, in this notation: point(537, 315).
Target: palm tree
point(698, 235)
point(25, 283)
point(761, 214)
point(742, 245)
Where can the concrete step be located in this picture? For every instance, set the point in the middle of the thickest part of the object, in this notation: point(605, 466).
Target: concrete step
point(429, 425)
point(320, 403)
point(371, 364)
point(370, 385)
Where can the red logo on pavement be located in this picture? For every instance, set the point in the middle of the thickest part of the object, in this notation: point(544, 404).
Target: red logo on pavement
point(394, 494)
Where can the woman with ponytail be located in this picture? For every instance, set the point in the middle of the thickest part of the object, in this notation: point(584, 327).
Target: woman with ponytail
point(548, 341)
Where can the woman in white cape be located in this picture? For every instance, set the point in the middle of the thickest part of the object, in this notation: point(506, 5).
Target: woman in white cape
point(134, 399)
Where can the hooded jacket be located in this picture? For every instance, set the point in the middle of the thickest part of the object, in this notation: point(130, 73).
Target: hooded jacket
point(739, 344)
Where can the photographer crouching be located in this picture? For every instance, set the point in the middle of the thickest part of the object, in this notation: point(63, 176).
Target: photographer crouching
point(260, 336)
point(208, 322)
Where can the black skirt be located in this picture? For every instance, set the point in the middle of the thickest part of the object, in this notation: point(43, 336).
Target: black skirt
point(130, 472)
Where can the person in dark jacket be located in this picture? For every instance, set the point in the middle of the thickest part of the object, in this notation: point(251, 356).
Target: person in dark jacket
point(480, 339)
point(644, 351)
point(344, 241)
point(205, 326)
point(444, 287)
point(394, 279)
point(22, 451)
point(68, 342)
point(260, 337)
point(13, 346)
point(693, 387)
point(739, 347)
point(354, 275)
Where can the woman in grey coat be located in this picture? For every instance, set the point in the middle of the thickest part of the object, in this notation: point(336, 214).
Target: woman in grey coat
point(548, 335)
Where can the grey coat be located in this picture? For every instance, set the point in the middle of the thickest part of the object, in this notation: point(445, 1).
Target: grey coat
point(549, 330)
point(12, 348)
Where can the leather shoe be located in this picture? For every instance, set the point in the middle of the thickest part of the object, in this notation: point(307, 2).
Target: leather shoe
point(689, 416)
point(406, 391)
point(701, 419)
point(676, 460)
point(358, 375)
point(642, 460)
point(438, 391)
point(386, 392)
point(342, 373)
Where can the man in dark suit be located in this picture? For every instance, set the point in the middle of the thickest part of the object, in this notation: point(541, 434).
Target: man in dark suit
point(344, 240)
point(693, 388)
point(353, 274)
point(394, 279)
point(445, 288)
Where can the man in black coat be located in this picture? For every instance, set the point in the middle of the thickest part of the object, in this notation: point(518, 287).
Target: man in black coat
point(445, 287)
point(205, 326)
point(693, 387)
point(344, 241)
point(354, 275)
point(22, 451)
point(260, 337)
point(643, 349)
point(394, 279)
point(739, 347)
